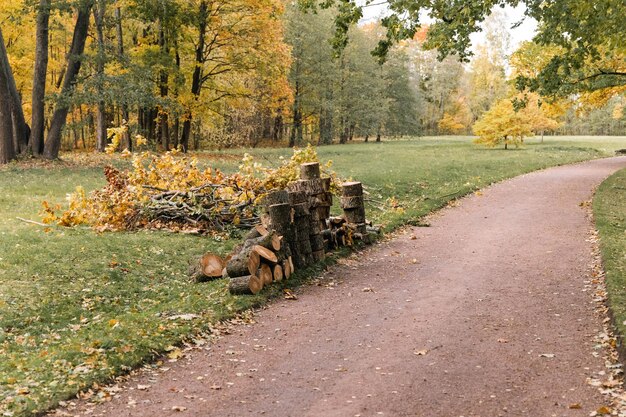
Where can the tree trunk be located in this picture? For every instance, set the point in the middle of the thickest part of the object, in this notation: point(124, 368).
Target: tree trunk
point(196, 83)
point(101, 128)
point(21, 131)
point(164, 91)
point(128, 143)
point(53, 142)
point(7, 150)
point(39, 78)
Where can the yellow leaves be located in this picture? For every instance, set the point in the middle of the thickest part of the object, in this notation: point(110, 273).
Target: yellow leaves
point(172, 180)
point(113, 323)
point(449, 124)
point(174, 353)
point(502, 124)
point(116, 134)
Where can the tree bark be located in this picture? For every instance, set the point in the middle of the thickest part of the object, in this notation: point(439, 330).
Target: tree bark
point(128, 143)
point(20, 129)
point(296, 130)
point(7, 150)
point(39, 78)
point(164, 91)
point(101, 128)
point(53, 142)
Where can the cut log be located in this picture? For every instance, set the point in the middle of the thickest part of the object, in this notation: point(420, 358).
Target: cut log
point(316, 227)
point(326, 184)
point(286, 269)
point(269, 241)
point(304, 246)
point(265, 274)
point(299, 260)
point(311, 187)
point(300, 210)
point(297, 197)
point(310, 171)
point(265, 253)
point(252, 234)
point(352, 202)
point(244, 263)
point(206, 267)
point(318, 256)
point(262, 230)
point(246, 285)
point(276, 197)
point(303, 228)
point(213, 265)
point(351, 189)
point(278, 273)
point(322, 200)
point(280, 217)
point(317, 242)
point(291, 265)
point(355, 216)
point(336, 221)
point(359, 228)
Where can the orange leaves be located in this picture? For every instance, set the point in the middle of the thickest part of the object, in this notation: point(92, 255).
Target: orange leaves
point(170, 191)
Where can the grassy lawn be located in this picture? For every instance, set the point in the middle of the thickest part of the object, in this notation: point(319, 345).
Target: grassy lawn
point(609, 207)
point(78, 307)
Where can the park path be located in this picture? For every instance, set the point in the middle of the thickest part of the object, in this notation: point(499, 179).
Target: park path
point(485, 313)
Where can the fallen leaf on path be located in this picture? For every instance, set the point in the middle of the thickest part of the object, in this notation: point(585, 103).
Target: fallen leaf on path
point(143, 387)
point(215, 387)
point(420, 352)
point(547, 355)
point(175, 354)
point(603, 410)
point(576, 406)
point(289, 295)
point(413, 237)
point(367, 289)
point(503, 341)
point(178, 408)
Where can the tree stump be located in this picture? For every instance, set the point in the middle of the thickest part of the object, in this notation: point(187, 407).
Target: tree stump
point(310, 170)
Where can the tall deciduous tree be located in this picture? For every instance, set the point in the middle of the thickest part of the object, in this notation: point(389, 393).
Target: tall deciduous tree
point(7, 149)
point(53, 140)
point(39, 78)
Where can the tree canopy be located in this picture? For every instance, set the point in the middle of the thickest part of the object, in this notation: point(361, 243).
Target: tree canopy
point(590, 36)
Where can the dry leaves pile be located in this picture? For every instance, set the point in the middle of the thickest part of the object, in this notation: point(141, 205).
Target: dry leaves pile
point(169, 191)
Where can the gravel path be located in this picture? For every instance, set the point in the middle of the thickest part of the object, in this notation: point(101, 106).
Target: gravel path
point(484, 313)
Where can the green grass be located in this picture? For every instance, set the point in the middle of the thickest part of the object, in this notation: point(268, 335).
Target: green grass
point(78, 307)
point(609, 207)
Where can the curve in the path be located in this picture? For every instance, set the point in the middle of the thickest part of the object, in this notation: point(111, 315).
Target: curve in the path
point(484, 313)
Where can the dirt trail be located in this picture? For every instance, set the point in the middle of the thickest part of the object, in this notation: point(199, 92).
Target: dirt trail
point(482, 314)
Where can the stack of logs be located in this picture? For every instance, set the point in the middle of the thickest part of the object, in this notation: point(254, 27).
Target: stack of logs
point(296, 229)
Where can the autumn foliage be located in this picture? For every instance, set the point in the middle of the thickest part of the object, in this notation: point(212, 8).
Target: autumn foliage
point(170, 191)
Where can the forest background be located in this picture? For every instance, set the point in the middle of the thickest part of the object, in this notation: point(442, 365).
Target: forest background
point(211, 74)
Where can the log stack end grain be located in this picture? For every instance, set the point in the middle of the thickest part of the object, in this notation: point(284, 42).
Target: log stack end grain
point(206, 267)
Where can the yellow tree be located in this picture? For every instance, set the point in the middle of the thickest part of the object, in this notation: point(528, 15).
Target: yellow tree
point(542, 116)
point(502, 124)
point(449, 124)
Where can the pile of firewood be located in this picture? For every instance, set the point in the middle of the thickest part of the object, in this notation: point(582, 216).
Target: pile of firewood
point(263, 258)
point(296, 230)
